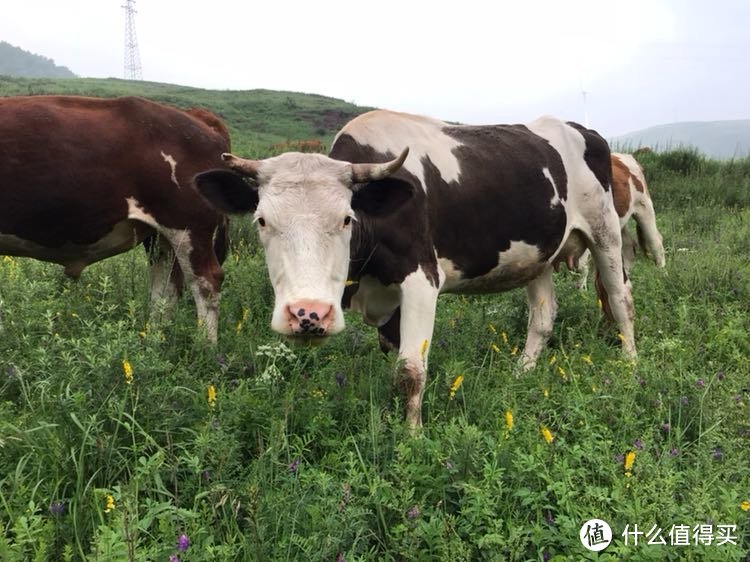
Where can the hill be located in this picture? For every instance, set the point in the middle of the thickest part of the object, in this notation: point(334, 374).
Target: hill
point(257, 119)
point(14, 61)
point(716, 139)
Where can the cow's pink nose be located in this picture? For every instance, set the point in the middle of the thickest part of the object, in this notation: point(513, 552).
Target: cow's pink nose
point(308, 317)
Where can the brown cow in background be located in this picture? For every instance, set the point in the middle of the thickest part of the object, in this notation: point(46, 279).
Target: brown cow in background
point(82, 179)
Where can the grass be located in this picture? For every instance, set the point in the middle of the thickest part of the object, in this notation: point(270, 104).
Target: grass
point(303, 453)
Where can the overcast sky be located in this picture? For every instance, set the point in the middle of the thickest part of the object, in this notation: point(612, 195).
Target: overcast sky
point(640, 62)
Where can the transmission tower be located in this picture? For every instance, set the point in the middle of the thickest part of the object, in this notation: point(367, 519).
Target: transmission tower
point(133, 69)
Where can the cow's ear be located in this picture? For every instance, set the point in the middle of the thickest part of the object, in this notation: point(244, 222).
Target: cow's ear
point(382, 197)
point(227, 191)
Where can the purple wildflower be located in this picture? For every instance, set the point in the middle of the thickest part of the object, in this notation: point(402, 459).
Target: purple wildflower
point(206, 475)
point(700, 383)
point(294, 465)
point(684, 401)
point(448, 465)
point(666, 427)
point(340, 557)
point(720, 375)
point(183, 542)
point(619, 459)
point(642, 382)
point(545, 556)
point(549, 518)
point(340, 378)
point(174, 558)
point(674, 452)
point(717, 454)
point(638, 444)
point(57, 508)
point(413, 513)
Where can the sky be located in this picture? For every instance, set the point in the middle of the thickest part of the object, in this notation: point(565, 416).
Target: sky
point(616, 66)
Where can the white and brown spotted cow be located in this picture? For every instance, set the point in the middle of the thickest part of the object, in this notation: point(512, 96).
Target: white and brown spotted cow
point(632, 199)
point(466, 209)
point(82, 179)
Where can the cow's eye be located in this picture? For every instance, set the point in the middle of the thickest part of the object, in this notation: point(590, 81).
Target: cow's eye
point(261, 221)
point(347, 220)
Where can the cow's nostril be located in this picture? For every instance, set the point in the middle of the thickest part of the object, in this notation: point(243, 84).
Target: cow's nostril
point(301, 312)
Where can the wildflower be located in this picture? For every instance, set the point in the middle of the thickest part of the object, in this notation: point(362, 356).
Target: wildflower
point(183, 542)
point(720, 375)
point(340, 557)
point(455, 386)
point(423, 349)
point(174, 558)
point(666, 427)
point(700, 383)
point(492, 328)
point(587, 359)
point(211, 396)
point(127, 371)
point(599, 304)
point(553, 360)
point(621, 336)
point(638, 444)
point(674, 452)
point(109, 503)
point(495, 348)
point(245, 314)
point(627, 464)
point(545, 392)
point(514, 350)
point(508, 420)
point(547, 434)
point(294, 465)
point(413, 513)
point(57, 508)
point(745, 506)
point(561, 372)
point(717, 454)
point(504, 336)
point(684, 401)
point(340, 378)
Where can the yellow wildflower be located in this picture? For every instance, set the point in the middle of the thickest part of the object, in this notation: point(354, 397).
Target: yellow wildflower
point(495, 348)
point(745, 506)
point(504, 335)
point(514, 350)
point(587, 359)
point(109, 503)
point(423, 349)
point(492, 328)
point(127, 371)
point(508, 420)
point(547, 434)
point(456, 385)
point(211, 395)
point(628, 463)
point(621, 336)
point(245, 314)
point(561, 372)
point(553, 360)
point(599, 304)
point(545, 392)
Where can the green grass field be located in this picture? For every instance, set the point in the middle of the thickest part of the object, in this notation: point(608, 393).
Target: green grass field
point(126, 441)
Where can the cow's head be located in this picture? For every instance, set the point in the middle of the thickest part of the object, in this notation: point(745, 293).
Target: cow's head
point(305, 207)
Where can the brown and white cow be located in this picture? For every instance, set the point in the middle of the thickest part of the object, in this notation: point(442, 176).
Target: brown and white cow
point(632, 199)
point(82, 179)
point(466, 209)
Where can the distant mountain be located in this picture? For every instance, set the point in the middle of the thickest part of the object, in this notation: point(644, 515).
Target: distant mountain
point(716, 139)
point(14, 61)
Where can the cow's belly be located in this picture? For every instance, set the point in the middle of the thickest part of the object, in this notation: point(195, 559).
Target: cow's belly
point(516, 266)
point(123, 236)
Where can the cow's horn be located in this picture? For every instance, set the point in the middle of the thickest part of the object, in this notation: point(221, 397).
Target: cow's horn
point(247, 167)
point(362, 173)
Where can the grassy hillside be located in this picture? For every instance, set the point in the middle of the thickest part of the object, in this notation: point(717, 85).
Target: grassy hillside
point(715, 139)
point(257, 119)
point(124, 441)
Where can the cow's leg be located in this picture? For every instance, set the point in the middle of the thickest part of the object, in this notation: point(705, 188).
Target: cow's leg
point(418, 303)
point(540, 294)
point(628, 249)
point(583, 270)
point(165, 275)
point(607, 253)
point(389, 335)
point(648, 235)
point(203, 274)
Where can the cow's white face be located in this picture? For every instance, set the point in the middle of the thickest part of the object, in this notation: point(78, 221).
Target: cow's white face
point(304, 220)
point(303, 210)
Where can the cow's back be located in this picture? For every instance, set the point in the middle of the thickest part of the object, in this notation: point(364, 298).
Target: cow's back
point(498, 197)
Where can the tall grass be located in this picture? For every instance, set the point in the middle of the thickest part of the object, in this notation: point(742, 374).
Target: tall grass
point(302, 454)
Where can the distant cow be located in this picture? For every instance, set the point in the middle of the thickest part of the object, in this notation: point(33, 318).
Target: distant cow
point(631, 200)
point(82, 179)
point(465, 209)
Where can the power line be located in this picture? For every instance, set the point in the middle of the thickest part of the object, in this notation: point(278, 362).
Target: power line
point(133, 70)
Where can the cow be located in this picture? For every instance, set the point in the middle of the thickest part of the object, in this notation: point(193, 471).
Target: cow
point(631, 199)
point(82, 179)
point(406, 207)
